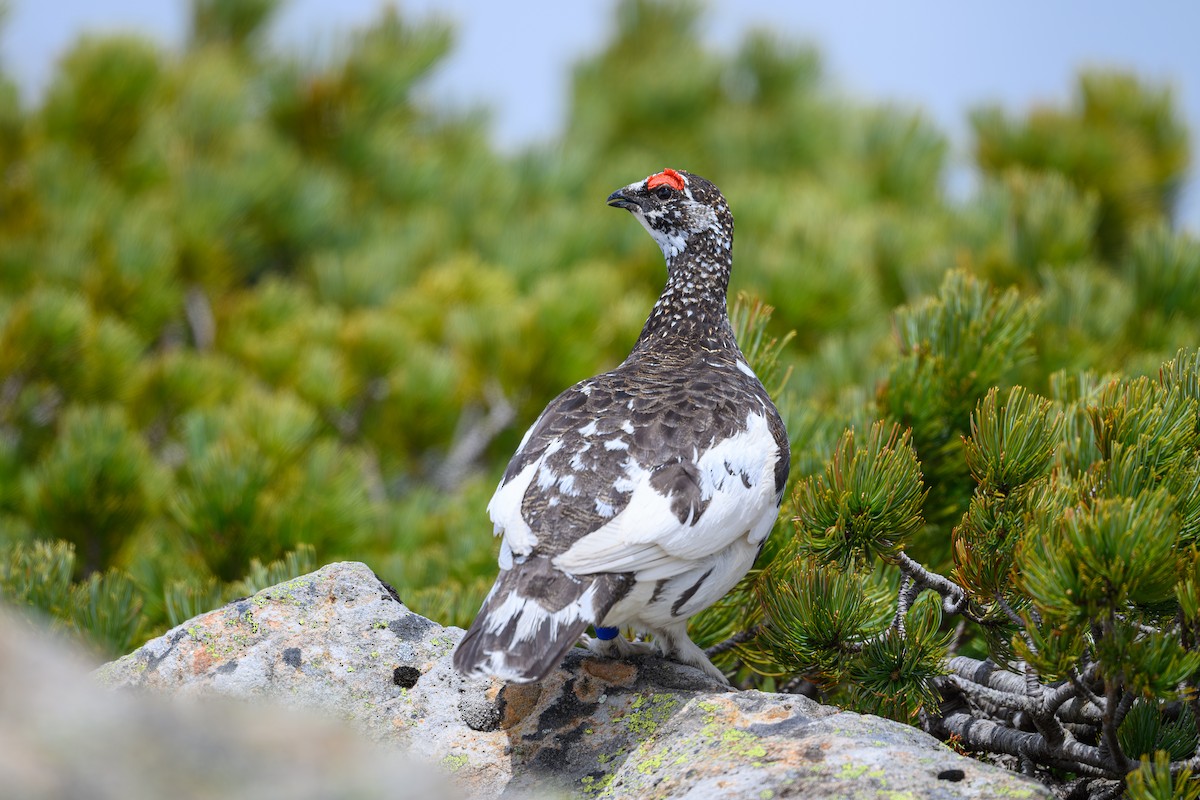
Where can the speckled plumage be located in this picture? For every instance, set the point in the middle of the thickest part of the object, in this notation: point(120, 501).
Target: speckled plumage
point(639, 496)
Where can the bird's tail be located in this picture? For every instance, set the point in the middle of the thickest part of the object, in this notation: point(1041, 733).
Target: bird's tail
point(531, 618)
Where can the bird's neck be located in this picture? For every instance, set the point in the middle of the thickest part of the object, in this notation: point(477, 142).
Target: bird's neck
point(691, 310)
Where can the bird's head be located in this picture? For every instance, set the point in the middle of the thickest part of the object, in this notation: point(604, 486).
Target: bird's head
point(678, 208)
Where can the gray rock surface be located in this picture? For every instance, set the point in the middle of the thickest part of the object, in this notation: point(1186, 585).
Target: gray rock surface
point(61, 736)
point(341, 641)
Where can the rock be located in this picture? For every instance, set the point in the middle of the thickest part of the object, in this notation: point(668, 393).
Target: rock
point(61, 736)
point(340, 640)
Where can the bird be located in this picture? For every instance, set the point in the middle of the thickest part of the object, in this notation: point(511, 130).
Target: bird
point(641, 496)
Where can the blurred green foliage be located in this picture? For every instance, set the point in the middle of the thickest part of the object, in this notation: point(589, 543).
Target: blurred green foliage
point(260, 312)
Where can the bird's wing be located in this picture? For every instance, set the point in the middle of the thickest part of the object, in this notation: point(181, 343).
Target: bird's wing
point(602, 486)
point(683, 512)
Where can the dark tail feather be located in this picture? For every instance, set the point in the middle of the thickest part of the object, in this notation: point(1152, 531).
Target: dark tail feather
point(532, 617)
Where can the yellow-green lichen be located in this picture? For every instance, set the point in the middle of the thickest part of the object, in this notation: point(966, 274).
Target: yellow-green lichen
point(204, 637)
point(283, 593)
point(440, 646)
point(855, 771)
point(647, 713)
point(742, 743)
point(604, 758)
point(454, 762)
point(596, 787)
point(650, 764)
point(733, 743)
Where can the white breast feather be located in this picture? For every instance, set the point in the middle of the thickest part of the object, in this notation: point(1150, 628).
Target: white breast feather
point(647, 537)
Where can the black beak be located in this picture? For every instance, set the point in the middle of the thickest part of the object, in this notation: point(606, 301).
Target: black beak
point(618, 200)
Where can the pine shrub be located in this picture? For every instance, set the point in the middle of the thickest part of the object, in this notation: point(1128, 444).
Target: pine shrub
point(259, 312)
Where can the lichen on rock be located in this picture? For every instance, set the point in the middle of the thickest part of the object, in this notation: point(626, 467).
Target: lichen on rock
point(340, 640)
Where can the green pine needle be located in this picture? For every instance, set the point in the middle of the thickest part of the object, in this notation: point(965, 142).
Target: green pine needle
point(750, 318)
point(868, 501)
point(1153, 780)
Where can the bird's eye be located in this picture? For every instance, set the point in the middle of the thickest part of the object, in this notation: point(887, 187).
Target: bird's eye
point(663, 192)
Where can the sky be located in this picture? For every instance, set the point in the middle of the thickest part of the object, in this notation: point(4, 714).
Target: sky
point(945, 56)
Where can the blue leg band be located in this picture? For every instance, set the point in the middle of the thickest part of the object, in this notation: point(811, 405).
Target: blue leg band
point(604, 634)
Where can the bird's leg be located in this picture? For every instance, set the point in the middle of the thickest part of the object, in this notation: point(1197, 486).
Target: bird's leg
point(615, 645)
point(677, 646)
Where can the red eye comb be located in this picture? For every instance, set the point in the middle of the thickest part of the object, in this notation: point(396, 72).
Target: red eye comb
point(669, 177)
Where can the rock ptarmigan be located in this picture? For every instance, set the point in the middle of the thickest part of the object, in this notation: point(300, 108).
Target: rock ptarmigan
point(641, 496)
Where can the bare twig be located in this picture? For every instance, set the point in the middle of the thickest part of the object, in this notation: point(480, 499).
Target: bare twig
point(1060, 695)
point(373, 476)
point(733, 641)
point(1149, 630)
point(957, 637)
point(1064, 701)
point(988, 736)
point(1078, 682)
point(996, 697)
point(987, 673)
point(1016, 620)
point(201, 321)
point(908, 593)
point(474, 434)
point(1081, 711)
point(349, 423)
point(1108, 726)
point(954, 598)
point(1110, 791)
point(1124, 707)
point(1044, 720)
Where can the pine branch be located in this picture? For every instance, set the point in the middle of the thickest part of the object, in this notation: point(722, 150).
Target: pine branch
point(1045, 721)
point(908, 593)
point(1191, 764)
point(904, 599)
point(995, 697)
point(1073, 702)
point(1125, 706)
point(954, 599)
point(1080, 711)
point(987, 736)
point(1063, 701)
